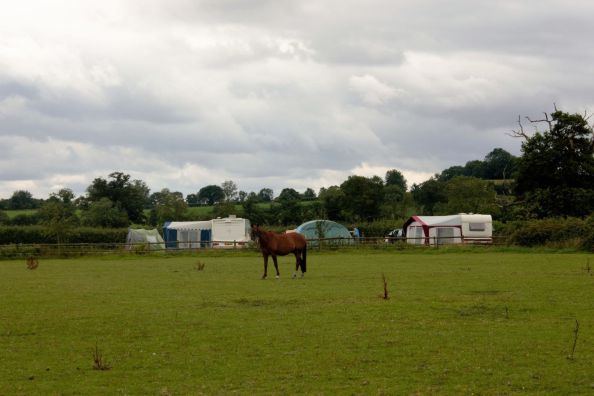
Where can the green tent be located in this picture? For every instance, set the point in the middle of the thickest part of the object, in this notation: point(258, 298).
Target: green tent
point(325, 229)
point(151, 239)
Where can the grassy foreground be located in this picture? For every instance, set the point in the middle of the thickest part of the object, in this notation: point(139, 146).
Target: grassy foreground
point(455, 323)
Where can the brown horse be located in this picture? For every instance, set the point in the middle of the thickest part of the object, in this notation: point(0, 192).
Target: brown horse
point(273, 244)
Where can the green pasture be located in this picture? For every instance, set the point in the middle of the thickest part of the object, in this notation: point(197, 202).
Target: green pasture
point(15, 212)
point(454, 323)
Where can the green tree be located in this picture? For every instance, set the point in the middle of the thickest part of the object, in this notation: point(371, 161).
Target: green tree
point(394, 201)
point(170, 205)
point(58, 215)
point(265, 195)
point(309, 194)
point(130, 195)
point(451, 172)
point(428, 194)
point(475, 168)
point(332, 199)
point(251, 210)
point(394, 192)
point(104, 213)
point(395, 178)
point(230, 190)
point(499, 164)
point(556, 170)
point(465, 194)
point(211, 194)
point(192, 199)
point(363, 197)
point(242, 195)
point(289, 194)
point(289, 210)
point(21, 199)
point(312, 210)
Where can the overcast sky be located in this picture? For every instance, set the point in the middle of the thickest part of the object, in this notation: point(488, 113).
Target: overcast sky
point(276, 93)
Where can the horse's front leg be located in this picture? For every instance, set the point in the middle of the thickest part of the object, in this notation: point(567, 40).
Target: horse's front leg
point(265, 266)
point(275, 266)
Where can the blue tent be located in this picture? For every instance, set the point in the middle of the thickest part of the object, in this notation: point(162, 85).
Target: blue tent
point(187, 234)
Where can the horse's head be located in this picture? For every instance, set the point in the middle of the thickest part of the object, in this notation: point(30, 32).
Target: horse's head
point(256, 232)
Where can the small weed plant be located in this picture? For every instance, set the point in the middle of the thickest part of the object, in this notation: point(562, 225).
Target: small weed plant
point(99, 362)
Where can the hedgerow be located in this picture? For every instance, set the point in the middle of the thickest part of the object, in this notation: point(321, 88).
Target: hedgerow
point(38, 234)
point(555, 232)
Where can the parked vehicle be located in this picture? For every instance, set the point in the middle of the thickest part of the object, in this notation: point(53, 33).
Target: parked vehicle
point(394, 235)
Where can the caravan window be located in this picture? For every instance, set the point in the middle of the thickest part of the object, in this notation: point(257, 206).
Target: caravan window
point(476, 226)
point(445, 235)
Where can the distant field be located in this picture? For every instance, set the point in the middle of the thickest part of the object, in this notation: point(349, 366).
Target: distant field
point(13, 213)
point(455, 323)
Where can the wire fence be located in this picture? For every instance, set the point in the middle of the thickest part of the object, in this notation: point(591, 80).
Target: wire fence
point(12, 251)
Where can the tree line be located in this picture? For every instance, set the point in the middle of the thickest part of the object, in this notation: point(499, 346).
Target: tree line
point(553, 176)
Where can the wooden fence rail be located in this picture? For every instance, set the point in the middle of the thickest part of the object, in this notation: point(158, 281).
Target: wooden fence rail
point(86, 249)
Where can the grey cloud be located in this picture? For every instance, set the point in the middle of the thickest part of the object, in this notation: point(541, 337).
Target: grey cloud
point(269, 92)
point(17, 88)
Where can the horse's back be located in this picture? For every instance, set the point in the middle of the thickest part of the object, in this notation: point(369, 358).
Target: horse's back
point(287, 243)
point(298, 239)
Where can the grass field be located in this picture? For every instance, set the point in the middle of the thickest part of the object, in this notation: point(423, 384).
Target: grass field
point(455, 323)
point(14, 213)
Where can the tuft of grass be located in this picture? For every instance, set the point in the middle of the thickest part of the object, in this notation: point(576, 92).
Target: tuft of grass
point(32, 262)
point(575, 338)
point(385, 296)
point(99, 362)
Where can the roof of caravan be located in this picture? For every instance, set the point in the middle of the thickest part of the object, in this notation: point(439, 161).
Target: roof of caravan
point(452, 220)
point(189, 225)
point(229, 220)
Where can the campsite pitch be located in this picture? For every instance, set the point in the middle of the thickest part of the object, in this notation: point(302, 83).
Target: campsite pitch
point(454, 323)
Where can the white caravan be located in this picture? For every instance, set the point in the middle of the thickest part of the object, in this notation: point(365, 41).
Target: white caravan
point(454, 229)
point(230, 232)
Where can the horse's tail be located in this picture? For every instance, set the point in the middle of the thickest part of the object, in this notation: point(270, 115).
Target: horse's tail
point(304, 261)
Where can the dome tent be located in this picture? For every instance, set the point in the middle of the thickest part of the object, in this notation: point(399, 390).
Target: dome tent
point(321, 229)
point(150, 239)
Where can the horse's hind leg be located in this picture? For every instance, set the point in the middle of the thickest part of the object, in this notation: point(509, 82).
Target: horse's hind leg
point(275, 266)
point(297, 264)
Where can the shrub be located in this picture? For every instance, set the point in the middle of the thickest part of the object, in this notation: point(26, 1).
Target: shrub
point(554, 232)
point(25, 219)
point(588, 240)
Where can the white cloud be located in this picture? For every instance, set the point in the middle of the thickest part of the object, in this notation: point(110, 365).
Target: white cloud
point(372, 91)
point(275, 94)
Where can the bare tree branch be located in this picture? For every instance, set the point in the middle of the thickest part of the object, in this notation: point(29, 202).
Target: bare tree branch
point(546, 119)
point(519, 133)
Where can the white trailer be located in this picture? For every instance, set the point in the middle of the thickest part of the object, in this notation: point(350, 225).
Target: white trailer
point(230, 232)
point(454, 229)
